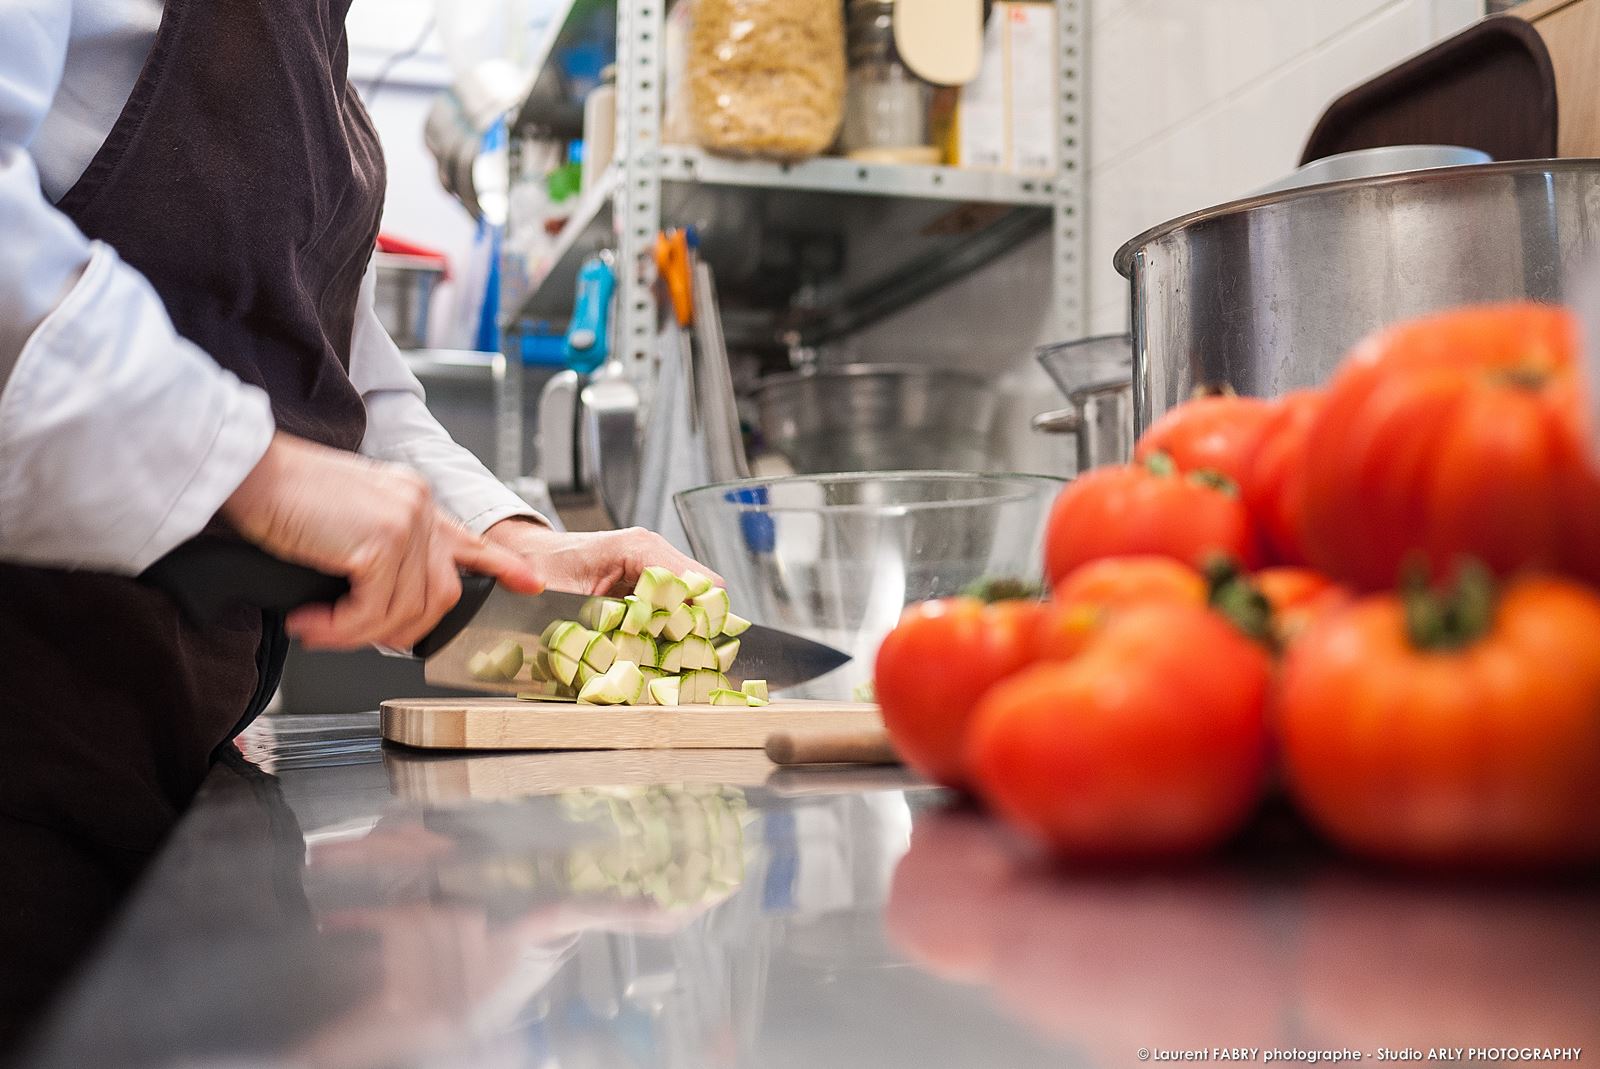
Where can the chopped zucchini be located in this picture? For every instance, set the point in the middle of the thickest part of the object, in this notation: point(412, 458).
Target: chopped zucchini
point(480, 666)
point(664, 691)
point(640, 649)
point(600, 653)
point(702, 621)
point(636, 617)
point(548, 639)
point(571, 639)
point(756, 688)
point(726, 652)
point(698, 653)
point(733, 625)
point(698, 584)
point(695, 687)
point(502, 662)
point(680, 624)
point(602, 614)
point(658, 622)
point(564, 668)
point(755, 702)
point(722, 696)
point(671, 657)
point(714, 603)
point(661, 588)
point(621, 684)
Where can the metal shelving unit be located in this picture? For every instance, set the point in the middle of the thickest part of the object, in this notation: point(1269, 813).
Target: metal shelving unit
point(942, 221)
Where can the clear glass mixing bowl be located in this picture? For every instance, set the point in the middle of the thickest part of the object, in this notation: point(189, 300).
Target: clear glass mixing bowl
point(837, 557)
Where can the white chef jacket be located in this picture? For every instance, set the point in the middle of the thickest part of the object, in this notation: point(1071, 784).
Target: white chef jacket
point(118, 438)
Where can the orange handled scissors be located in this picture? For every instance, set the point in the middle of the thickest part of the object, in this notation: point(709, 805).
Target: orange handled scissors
point(672, 265)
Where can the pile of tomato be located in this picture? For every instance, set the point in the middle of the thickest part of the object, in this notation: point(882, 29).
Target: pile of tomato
point(1378, 595)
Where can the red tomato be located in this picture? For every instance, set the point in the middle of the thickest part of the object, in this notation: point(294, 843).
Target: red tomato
point(1151, 743)
point(1299, 596)
point(1273, 483)
point(1084, 599)
point(1478, 744)
point(1580, 517)
point(936, 664)
point(1130, 511)
point(1207, 434)
point(1443, 438)
point(1118, 582)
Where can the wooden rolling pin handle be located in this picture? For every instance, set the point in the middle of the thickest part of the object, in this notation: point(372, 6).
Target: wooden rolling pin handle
point(831, 748)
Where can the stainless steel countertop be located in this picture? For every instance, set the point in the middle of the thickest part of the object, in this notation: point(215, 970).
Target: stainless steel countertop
point(384, 908)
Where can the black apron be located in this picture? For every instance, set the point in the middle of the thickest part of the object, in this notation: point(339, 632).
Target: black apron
point(244, 180)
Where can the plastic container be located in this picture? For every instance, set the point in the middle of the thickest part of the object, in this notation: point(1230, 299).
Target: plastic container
point(837, 557)
point(766, 77)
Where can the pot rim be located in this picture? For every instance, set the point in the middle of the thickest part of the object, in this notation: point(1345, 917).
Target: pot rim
point(1123, 260)
point(1021, 486)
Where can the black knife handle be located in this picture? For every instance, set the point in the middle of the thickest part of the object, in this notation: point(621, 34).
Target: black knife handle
point(207, 575)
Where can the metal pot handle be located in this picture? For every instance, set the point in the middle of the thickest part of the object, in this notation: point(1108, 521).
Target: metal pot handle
point(1059, 421)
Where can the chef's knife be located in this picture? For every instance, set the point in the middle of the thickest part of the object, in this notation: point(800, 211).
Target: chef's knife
point(207, 575)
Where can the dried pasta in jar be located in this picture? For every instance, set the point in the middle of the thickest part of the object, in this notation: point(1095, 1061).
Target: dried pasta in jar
point(766, 77)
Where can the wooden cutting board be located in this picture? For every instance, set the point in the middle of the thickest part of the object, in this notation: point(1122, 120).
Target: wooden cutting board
point(509, 724)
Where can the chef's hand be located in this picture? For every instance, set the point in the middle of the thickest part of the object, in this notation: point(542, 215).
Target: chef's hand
point(375, 524)
point(602, 562)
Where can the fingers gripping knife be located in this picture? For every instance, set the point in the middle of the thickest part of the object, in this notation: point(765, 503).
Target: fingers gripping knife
point(207, 575)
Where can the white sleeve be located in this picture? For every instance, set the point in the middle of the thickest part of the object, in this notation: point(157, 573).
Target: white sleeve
point(402, 430)
point(118, 439)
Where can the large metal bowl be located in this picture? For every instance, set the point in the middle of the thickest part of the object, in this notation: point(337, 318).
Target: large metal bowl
point(837, 557)
point(1266, 295)
point(878, 417)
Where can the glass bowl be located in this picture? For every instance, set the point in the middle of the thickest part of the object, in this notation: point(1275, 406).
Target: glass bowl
point(837, 557)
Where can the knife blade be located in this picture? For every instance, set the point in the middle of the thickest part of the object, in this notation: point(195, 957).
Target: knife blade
point(207, 575)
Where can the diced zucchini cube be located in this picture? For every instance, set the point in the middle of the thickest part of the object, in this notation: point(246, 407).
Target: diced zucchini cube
point(664, 691)
point(726, 652)
point(733, 626)
point(601, 614)
point(636, 617)
point(600, 653)
point(756, 688)
point(696, 583)
point(680, 624)
point(715, 604)
point(722, 696)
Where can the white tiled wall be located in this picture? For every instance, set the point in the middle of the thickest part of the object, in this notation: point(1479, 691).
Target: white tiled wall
point(1195, 102)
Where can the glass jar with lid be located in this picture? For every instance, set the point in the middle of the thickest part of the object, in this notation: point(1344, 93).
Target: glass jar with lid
point(886, 106)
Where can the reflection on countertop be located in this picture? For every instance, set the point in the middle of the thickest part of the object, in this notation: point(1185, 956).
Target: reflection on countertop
point(367, 907)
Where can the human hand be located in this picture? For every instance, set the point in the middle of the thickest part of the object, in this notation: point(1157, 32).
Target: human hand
point(601, 562)
point(376, 524)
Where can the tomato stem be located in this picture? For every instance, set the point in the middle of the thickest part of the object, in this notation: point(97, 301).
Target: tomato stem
point(1231, 593)
point(1161, 464)
point(1452, 617)
point(991, 589)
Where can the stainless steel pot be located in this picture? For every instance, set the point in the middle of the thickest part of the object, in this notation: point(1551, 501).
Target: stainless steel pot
point(1266, 295)
point(878, 417)
point(404, 290)
point(1096, 375)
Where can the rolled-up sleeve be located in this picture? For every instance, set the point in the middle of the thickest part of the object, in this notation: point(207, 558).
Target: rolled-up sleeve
point(400, 428)
point(118, 438)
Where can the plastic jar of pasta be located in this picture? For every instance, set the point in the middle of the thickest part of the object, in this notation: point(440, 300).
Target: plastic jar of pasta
point(766, 77)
